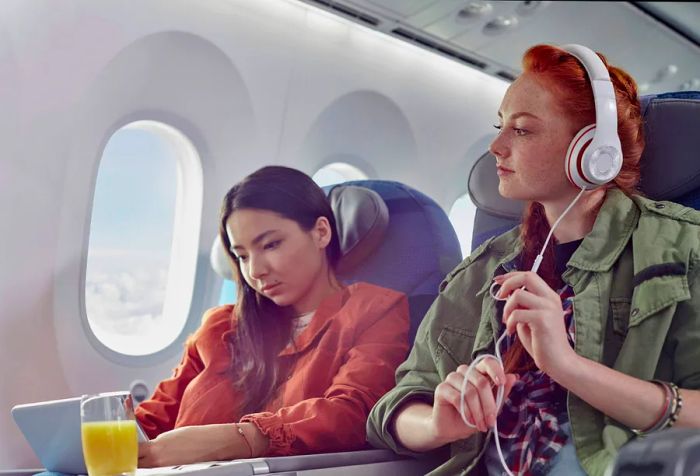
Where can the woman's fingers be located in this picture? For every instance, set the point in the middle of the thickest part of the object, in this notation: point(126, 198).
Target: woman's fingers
point(522, 316)
point(492, 368)
point(445, 392)
point(478, 397)
point(523, 299)
point(518, 279)
point(486, 400)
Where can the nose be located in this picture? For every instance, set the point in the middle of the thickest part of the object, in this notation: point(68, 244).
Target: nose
point(498, 147)
point(257, 266)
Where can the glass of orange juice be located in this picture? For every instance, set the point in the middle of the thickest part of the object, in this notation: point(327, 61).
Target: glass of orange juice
point(108, 429)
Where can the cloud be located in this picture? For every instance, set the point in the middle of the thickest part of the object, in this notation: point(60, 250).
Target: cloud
point(124, 298)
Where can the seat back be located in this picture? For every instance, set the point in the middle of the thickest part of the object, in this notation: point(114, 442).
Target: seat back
point(410, 252)
point(670, 168)
point(420, 247)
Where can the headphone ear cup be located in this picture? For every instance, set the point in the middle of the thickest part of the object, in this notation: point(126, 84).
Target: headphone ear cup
point(577, 155)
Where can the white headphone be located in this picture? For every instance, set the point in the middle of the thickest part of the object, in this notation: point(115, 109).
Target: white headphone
point(595, 153)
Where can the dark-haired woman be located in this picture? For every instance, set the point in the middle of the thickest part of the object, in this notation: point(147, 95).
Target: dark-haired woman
point(603, 343)
point(295, 366)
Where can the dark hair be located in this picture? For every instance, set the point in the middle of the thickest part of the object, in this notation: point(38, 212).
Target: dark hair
point(262, 328)
point(570, 84)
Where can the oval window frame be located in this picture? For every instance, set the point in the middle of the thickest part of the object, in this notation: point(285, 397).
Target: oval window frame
point(184, 252)
point(348, 171)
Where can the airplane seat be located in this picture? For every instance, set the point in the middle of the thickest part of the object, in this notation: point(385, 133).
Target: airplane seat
point(391, 235)
point(670, 171)
point(418, 249)
point(669, 166)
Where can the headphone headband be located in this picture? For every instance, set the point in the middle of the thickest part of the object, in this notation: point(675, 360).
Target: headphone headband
point(595, 157)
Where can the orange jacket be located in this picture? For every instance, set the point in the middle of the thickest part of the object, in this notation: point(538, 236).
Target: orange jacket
point(343, 362)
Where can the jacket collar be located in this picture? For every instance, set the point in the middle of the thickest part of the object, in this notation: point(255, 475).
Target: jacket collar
point(507, 250)
point(328, 307)
point(611, 232)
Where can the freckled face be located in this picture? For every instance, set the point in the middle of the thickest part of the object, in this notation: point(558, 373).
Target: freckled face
point(277, 258)
point(530, 149)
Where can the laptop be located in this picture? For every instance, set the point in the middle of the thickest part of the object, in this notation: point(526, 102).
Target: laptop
point(52, 429)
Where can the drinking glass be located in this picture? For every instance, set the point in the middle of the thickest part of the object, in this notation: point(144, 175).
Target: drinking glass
point(108, 430)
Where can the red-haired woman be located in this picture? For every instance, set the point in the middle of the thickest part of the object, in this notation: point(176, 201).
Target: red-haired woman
point(602, 344)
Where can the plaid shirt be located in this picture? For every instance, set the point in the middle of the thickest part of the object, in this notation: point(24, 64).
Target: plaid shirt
point(529, 423)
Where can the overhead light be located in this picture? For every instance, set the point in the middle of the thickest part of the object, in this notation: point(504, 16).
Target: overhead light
point(665, 73)
point(475, 9)
point(501, 24)
point(529, 8)
point(691, 84)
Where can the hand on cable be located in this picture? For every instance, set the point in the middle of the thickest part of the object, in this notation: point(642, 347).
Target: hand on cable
point(534, 311)
point(480, 400)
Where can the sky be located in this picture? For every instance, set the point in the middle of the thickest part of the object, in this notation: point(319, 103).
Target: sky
point(130, 239)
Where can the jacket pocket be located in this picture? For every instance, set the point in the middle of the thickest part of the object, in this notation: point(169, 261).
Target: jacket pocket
point(650, 297)
point(458, 343)
point(616, 328)
point(620, 312)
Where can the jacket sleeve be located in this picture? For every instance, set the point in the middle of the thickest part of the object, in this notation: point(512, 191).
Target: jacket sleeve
point(416, 379)
point(686, 334)
point(422, 372)
point(159, 413)
point(336, 421)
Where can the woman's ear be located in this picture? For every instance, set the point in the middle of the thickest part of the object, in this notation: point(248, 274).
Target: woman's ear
point(322, 232)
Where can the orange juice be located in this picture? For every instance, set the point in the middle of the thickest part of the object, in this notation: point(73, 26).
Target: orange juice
point(110, 447)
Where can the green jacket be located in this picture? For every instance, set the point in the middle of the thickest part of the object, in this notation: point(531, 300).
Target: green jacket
point(636, 279)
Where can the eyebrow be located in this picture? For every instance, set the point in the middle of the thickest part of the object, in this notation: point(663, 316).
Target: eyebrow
point(520, 114)
point(256, 240)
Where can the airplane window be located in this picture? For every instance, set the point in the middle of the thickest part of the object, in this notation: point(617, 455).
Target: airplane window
point(144, 234)
point(228, 293)
point(462, 216)
point(338, 172)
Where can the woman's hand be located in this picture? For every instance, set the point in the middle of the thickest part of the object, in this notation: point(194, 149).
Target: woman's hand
point(195, 444)
point(534, 311)
point(446, 424)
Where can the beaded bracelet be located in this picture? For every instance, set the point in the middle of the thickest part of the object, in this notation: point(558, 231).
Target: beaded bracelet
point(678, 400)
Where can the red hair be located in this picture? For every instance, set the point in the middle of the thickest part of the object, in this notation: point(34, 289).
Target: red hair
point(570, 84)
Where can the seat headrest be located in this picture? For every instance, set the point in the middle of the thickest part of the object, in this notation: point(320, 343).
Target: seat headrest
point(669, 164)
point(361, 219)
point(482, 187)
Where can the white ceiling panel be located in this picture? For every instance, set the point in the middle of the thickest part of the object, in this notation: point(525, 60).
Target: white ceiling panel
point(683, 15)
point(453, 24)
point(625, 35)
point(402, 8)
point(655, 41)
